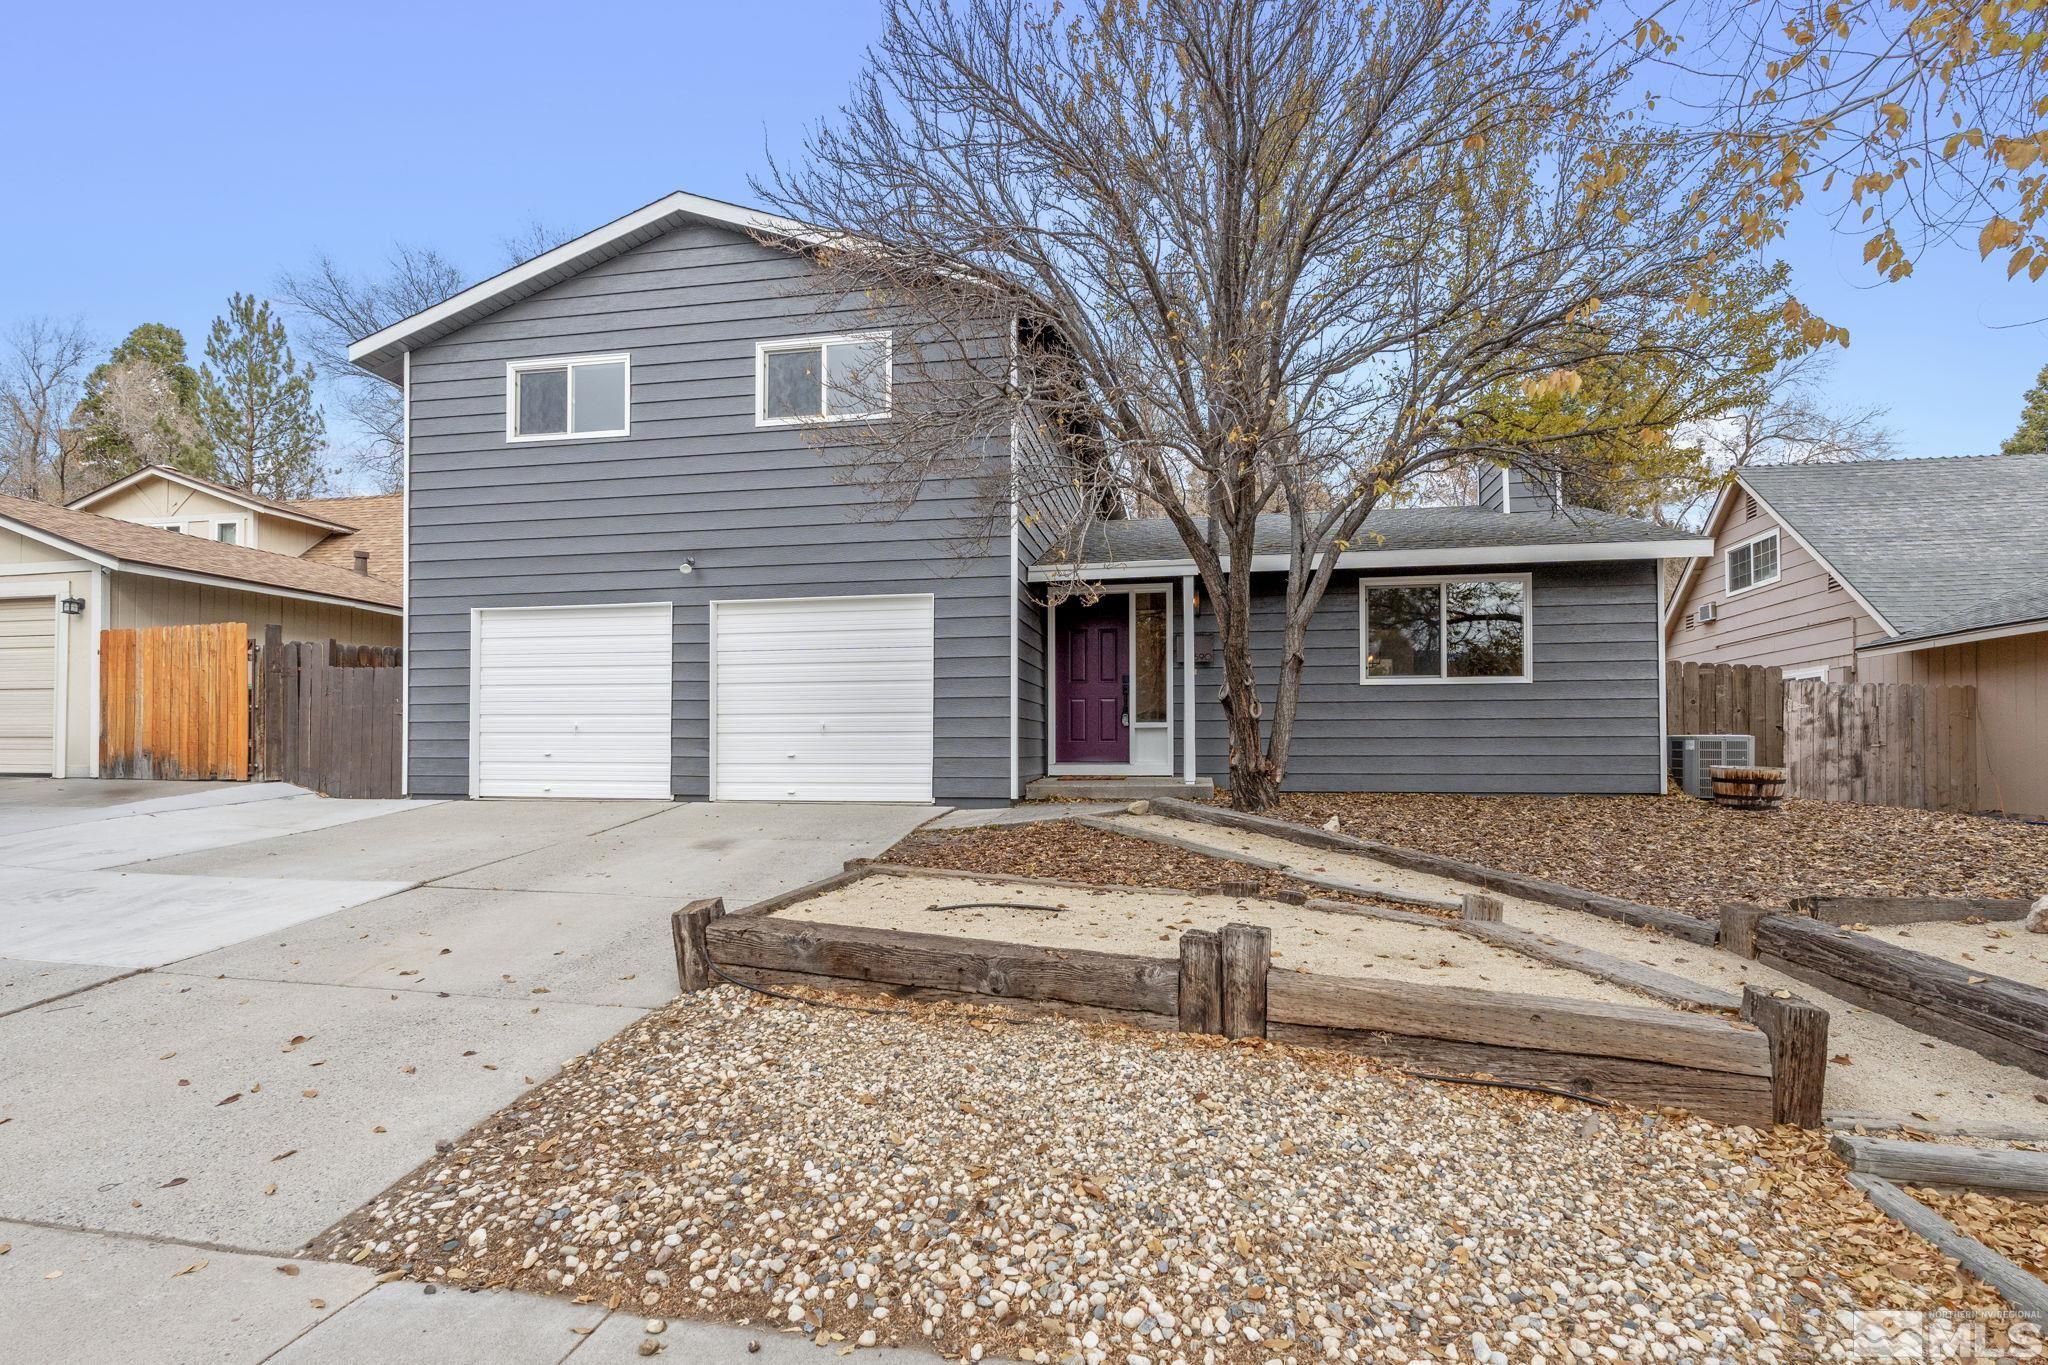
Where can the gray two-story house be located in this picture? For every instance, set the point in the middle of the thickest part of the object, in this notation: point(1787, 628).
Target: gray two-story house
point(632, 569)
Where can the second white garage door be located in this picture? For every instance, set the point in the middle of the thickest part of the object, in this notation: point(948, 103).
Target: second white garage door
point(572, 701)
point(822, 699)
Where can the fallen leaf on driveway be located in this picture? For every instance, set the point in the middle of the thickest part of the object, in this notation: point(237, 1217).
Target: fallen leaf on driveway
point(195, 1267)
point(229, 1100)
point(289, 1151)
point(310, 1094)
point(271, 1188)
point(317, 1303)
point(53, 1275)
point(172, 1182)
point(287, 1270)
point(6, 1247)
point(167, 1056)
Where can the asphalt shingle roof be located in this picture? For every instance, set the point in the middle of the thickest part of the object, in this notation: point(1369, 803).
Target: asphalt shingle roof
point(1937, 546)
point(379, 522)
point(1145, 539)
point(131, 542)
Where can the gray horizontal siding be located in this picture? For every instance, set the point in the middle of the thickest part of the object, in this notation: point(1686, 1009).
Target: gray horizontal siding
point(762, 511)
point(1589, 721)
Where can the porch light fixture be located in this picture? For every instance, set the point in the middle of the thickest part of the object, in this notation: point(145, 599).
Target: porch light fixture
point(73, 606)
point(688, 566)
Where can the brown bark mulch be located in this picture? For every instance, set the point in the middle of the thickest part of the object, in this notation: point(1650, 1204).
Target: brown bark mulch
point(1054, 848)
point(1692, 855)
point(2014, 1228)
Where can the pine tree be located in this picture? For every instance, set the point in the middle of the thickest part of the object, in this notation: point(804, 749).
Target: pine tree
point(141, 406)
point(257, 403)
point(2032, 436)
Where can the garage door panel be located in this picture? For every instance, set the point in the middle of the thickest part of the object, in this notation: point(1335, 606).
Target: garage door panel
point(827, 699)
point(574, 701)
point(28, 684)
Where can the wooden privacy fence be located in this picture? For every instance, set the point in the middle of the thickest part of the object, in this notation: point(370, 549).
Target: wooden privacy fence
point(174, 702)
point(1882, 744)
point(1728, 699)
point(328, 715)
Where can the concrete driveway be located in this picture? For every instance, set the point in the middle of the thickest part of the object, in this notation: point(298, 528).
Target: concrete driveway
point(230, 1015)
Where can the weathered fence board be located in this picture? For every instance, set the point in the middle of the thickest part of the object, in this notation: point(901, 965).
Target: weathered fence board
point(1728, 699)
point(1882, 744)
point(174, 702)
point(328, 715)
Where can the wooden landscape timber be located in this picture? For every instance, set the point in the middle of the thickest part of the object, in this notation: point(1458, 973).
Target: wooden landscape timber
point(2020, 1289)
point(2004, 1020)
point(1222, 982)
point(2007, 1171)
point(1309, 876)
point(1880, 911)
point(1492, 879)
point(1798, 1033)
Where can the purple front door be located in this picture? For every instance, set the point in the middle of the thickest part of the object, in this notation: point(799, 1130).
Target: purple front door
point(1093, 656)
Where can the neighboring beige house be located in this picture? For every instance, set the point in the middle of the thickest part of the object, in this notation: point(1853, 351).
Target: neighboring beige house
point(1921, 571)
point(163, 548)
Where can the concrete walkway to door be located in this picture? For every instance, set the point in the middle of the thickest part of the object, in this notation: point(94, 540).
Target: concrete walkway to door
point(219, 1101)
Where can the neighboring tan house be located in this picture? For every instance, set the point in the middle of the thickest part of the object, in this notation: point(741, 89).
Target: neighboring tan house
point(164, 548)
point(1913, 571)
point(632, 572)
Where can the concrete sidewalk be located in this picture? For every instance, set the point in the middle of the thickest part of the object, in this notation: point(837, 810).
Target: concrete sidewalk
point(260, 1079)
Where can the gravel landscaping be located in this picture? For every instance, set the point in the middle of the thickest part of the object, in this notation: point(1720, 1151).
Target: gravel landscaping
point(1059, 1192)
point(1691, 855)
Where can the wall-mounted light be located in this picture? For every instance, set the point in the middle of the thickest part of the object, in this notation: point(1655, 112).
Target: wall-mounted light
point(73, 606)
point(687, 566)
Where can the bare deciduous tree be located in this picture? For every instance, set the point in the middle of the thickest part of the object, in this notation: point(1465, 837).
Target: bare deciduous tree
point(139, 411)
point(1269, 256)
point(42, 377)
point(334, 308)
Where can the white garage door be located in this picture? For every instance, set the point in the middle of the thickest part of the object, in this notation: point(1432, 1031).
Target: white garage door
point(822, 699)
point(28, 684)
point(572, 701)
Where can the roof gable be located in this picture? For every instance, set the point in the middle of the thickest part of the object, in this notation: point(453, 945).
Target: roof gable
point(382, 352)
point(1920, 541)
point(240, 497)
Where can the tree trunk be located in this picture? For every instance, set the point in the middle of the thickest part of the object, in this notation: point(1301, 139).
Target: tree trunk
point(1253, 782)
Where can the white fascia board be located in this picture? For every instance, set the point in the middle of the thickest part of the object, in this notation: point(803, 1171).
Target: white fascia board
point(128, 481)
point(1966, 637)
point(679, 203)
point(1471, 557)
point(42, 537)
point(1819, 558)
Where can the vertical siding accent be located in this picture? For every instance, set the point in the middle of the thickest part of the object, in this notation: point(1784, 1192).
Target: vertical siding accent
point(1588, 722)
point(760, 510)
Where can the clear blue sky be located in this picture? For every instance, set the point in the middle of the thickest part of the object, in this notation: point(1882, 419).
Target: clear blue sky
point(165, 156)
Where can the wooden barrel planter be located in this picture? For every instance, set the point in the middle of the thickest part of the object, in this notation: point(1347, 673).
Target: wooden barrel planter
point(1748, 788)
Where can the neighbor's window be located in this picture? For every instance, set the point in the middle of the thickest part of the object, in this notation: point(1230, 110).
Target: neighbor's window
point(828, 379)
point(1446, 630)
point(226, 532)
point(1753, 563)
point(585, 396)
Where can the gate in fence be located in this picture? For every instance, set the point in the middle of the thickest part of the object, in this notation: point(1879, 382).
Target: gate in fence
point(1882, 744)
point(327, 715)
point(174, 702)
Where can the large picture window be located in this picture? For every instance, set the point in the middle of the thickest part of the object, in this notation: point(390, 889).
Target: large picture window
point(552, 400)
point(1444, 630)
point(823, 379)
point(1753, 563)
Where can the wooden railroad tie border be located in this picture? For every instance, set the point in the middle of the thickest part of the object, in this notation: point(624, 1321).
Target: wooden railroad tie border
point(2014, 1284)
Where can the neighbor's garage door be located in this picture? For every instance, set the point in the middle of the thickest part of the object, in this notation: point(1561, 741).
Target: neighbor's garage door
point(28, 685)
point(822, 699)
point(573, 701)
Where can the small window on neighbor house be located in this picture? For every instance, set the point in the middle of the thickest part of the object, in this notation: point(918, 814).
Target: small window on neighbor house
point(1753, 563)
point(823, 379)
point(1454, 630)
point(553, 399)
point(226, 532)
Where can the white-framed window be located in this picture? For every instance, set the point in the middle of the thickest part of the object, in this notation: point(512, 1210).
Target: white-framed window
point(564, 398)
point(1753, 563)
point(226, 530)
point(1453, 629)
point(822, 379)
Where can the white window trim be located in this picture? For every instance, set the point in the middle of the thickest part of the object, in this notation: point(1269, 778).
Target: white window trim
point(763, 349)
point(513, 369)
point(1442, 679)
point(244, 527)
point(1728, 564)
point(1174, 710)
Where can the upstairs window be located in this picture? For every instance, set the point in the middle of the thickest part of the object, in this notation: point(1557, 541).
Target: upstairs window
point(1753, 563)
point(553, 400)
point(1445, 630)
point(822, 379)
